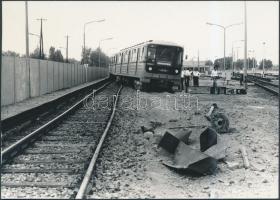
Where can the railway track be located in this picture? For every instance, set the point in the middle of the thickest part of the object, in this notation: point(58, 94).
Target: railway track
point(18, 126)
point(57, 159)
point(267, 85)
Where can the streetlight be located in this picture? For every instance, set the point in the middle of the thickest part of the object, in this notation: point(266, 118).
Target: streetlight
point(236, 55)
point(232, 53)
point(100, 49)
point(253, 55)
point(263, 57)
point(101, 20)
point(245, 45)
point(224, 28)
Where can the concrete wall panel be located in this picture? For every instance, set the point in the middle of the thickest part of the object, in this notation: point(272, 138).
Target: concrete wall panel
point(50, 77)
point(56, 75)
point(43, 77)
point(65, 75)
point(7, 81)
point(61, 77)
point(34, 77)
point(69, 75)
point(22, 85)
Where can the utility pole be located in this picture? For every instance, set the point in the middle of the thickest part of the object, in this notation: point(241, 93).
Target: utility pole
point(245, 45)
point(26, 29)
point(263, 58)
point(27, 47)
point(67, 36)
point(198, 60)
point(41, 51)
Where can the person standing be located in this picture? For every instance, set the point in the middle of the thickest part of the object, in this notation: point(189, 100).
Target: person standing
point(196, 75)
point(214, 76)
point(182, 78)
point(241, 77)
point(187, 79)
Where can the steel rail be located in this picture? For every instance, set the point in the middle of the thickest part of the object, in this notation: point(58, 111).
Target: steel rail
point(262, 81)
point(24, 116)
point(13, 150)
point(86, 179)
point(266, 88)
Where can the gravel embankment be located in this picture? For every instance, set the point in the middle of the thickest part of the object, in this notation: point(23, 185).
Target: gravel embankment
point(129, 165)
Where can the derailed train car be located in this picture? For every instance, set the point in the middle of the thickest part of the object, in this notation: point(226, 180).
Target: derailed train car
point(151, 63)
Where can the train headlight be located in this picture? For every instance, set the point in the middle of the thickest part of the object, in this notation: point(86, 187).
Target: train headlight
point(176, 71)
point(150, 68)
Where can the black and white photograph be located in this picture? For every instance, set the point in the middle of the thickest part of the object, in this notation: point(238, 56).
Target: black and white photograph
point(139, 99)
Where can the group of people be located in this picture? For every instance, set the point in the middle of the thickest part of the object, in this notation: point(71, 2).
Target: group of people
point(187, 76)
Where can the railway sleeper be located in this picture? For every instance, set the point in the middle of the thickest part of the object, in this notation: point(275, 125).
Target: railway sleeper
point(45, 171)
point(37, 184)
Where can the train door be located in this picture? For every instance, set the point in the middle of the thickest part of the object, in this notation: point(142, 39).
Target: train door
point(116, 61)
point(121, 63)
point(128, 59)
point(137, 59)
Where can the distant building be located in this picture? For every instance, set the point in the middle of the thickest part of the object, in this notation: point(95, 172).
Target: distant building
point(193, 64)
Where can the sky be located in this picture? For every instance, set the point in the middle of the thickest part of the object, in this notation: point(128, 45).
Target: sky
point(129, 23)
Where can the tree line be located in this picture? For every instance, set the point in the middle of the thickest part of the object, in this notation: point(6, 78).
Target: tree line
point(239, 64)
point(89, 56)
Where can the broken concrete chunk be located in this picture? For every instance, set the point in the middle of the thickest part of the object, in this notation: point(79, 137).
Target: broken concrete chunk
point(217, 151)
point(190, 160)
point(208, 138)
point(170, 140)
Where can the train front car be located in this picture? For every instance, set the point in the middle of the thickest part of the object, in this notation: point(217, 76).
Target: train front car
point(163, 65)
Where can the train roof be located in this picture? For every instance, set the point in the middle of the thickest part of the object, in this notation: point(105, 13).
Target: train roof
point(162, 42)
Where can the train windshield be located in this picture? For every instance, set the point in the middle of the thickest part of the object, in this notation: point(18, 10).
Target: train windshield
point(165, 55)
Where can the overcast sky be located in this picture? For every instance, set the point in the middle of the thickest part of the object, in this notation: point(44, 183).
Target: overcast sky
point(133, 22)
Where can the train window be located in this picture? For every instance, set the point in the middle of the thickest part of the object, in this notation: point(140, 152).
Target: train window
point(129, 56)
point(122, 58)
point(142, 54)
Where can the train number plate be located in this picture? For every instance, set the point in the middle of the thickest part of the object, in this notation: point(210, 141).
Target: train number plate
point(163, 70)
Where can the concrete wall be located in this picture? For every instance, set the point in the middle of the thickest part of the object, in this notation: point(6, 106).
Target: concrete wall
point(45, 77)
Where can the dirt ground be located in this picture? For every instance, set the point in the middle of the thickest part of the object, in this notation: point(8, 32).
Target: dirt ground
point(129, 165)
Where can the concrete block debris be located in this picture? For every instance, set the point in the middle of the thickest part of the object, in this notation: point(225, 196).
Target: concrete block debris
point(179, 155)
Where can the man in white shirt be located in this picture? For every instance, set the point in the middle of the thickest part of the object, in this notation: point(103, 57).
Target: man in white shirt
point(196, 75)
point(187, 79)
point(182, 78)
point(215, 76)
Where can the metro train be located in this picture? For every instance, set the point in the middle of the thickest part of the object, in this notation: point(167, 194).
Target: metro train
point(151, 63)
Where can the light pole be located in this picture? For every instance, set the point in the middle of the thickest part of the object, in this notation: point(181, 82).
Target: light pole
point(232, 53)
point(236, 54)
point(101, 20)
point(100, 49)
point(224, 28)
point(67, 37)
point(41, 39)
point(245, 45)
point(27, 47)
point(253, 59)
point(263, 57)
